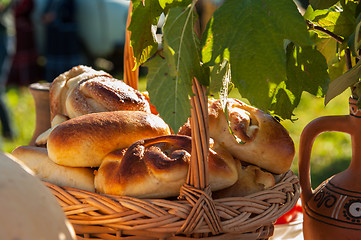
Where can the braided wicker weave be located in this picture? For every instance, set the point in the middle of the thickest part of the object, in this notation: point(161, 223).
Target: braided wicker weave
point(97, 216)
point(194, 214)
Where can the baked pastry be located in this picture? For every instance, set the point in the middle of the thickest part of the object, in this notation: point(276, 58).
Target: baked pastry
point(84, 141)
point(157, 168)
point(83, 90)
point(249, 134)
point(251, 179)
point(36, 158)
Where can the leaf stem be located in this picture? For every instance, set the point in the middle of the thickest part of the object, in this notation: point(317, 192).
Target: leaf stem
point(348, 58)
point(321, 29)
point(339, 39)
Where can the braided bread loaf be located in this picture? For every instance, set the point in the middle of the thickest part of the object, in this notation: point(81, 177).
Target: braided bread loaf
point(249, 134)
point(83, 90)
point(157, 167)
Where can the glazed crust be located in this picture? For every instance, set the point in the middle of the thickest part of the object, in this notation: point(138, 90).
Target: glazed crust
point(157, 167)
point(262, 140)
point(249, 134)
point(85, 140)
point(83, 90)
point(251, 179)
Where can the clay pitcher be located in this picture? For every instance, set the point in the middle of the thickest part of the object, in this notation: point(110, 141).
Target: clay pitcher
point(40, 93)
point(333, 209)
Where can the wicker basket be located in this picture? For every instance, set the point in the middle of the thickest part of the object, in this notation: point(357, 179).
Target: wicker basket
point(194, 214)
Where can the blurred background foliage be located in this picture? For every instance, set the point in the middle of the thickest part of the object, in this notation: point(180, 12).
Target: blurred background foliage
point(331, 151)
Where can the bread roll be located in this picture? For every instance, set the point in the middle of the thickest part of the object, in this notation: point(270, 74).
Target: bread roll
point(84, 141)
point(251, 179)
point(257, 137)
point(250, 135)
point(83, 90)
point(37, 160)
point(157, 168)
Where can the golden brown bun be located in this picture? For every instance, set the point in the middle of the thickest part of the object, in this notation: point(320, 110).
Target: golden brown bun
point(37, 160)
point(157, 168)
point(83, 90)
point(84, 141)
point(251, 179)
point(261, 140)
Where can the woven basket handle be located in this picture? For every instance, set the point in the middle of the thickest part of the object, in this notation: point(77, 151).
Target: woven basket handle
point(131, 75)
point(196, 190)
point(198, 172)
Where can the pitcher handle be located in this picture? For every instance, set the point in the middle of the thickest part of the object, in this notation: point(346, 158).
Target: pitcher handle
point(308, 136)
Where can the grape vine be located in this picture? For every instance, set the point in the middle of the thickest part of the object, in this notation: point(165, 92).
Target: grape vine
point(273, 52)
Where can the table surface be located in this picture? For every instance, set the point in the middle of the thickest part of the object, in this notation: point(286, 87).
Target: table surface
point(291, 230)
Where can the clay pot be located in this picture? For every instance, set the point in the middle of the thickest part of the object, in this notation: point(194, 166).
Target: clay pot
point(332, 210)
point(40, 93)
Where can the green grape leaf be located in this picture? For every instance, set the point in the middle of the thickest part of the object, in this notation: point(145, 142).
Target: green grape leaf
point(329, 49)
point(346, 80)
point(218, 83)
point(251, 35)
point(181, 46)
point(336, 69)
point(167, 4)
point(358, 10)
point(164, 3)
point(339, 21)
point(334, 56)
point(354, 41)
point(170, 99)
point(313, 14)
point(322, 4)
point(173, 80)
point(284, 102)
point(306, 71)
point(143, 21)
point(345, 24)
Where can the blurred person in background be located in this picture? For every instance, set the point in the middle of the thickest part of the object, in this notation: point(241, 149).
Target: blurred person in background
point(25, 69)
point(7, 48)
point(62, 46)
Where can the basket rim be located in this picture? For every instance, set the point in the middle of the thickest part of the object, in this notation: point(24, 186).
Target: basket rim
point(239, 215)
